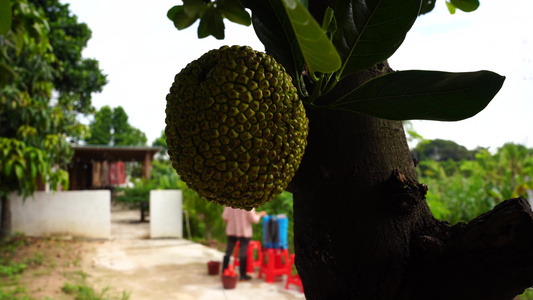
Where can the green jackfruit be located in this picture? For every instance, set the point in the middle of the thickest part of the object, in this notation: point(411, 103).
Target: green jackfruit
point(236, 129)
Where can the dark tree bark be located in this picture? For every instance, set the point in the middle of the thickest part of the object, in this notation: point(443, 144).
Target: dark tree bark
point(363, 229)
point(5, 217)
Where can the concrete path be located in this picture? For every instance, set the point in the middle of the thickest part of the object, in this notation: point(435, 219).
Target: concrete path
point(166, 269)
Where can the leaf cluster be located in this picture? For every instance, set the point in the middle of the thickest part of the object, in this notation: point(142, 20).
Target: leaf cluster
point(32, 132)
point(76, 77)
point(40, 48)
point(350, 37)
point(461, 190)
point(211, 15)
point(355, 36)
point(111, 127)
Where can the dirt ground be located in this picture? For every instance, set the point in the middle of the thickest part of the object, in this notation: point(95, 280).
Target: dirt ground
point(132, 264)
point(166, 268)
point(50, 263)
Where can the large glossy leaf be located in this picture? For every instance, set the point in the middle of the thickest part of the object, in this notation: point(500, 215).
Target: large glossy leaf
point(428, 95)
point(319, 53)
point(272, 26)
point(370, 31)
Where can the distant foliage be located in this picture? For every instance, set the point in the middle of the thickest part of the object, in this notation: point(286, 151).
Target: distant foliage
point(281, 205)
point(441, 150)
point(460, 191)
point(139, 193)
point(111, 127)
point(205, 218)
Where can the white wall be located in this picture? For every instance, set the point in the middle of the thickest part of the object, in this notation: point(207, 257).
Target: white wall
point(84, 214)
point(166, 214)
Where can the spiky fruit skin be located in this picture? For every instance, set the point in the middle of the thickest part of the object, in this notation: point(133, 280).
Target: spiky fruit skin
point(236, 129)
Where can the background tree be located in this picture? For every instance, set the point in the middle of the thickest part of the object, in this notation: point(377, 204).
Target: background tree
point(77, 77)
point(161, 141)
point(123, 132)
point(460, 191)
point(111, 127)
point(34, 130)
point(363, 229)
point(441, 150)
point(100, 129)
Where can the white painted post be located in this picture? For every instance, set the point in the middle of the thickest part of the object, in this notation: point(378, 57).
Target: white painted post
point(166, 214)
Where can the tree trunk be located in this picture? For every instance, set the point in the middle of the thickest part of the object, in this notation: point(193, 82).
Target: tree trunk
point(208, 229)
point(363, 229)
point(352, 224)
point(5, 217)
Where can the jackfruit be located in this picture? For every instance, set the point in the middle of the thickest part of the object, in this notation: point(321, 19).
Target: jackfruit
point(236, 129)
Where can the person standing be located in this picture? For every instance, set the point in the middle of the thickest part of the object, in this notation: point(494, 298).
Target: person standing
point(239, 228)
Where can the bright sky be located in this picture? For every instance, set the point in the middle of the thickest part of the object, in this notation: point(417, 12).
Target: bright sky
point(141, 51)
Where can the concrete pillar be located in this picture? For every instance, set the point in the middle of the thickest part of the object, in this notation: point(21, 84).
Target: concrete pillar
point(166, 214)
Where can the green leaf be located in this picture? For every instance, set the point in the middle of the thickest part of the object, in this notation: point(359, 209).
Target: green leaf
point(6, 72)
point(180, 18)
point(451, 7)
point(19, 171)
point(5, 16)
point(195, 8)
point(466, 5)
point(369, 32)
point(211, 23)
point(270, 23)
point(171, 13)
point(329, 24)
point(428, 95)
point(234, 12)
point(427, 6)
point(319, 53)
point(8, 166)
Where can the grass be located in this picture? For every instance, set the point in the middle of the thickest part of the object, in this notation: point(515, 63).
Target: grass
point(29, 265)
point(82, 291)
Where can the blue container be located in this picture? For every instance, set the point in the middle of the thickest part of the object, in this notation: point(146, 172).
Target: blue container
point(275, 231)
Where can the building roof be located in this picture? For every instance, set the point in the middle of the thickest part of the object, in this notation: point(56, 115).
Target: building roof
point(113, 153)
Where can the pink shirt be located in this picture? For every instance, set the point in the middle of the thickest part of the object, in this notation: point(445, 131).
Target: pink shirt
point(239, 221)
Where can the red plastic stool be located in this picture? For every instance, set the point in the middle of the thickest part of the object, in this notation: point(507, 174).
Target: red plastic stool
point(293, 279)
point(275, 265)
point(251, 262)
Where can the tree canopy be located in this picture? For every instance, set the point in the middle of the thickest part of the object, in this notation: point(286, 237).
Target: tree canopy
point(77, 77)
point(111, 127)
point(40, 56)
point(439, 149)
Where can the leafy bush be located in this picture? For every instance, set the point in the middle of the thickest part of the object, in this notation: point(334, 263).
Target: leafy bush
point(132, 196)
point(460, 191)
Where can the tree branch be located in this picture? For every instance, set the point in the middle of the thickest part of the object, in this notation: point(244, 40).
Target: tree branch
point(491, 257)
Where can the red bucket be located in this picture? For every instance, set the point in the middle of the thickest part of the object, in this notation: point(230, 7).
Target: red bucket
point(213, 267)
point(229, 282)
